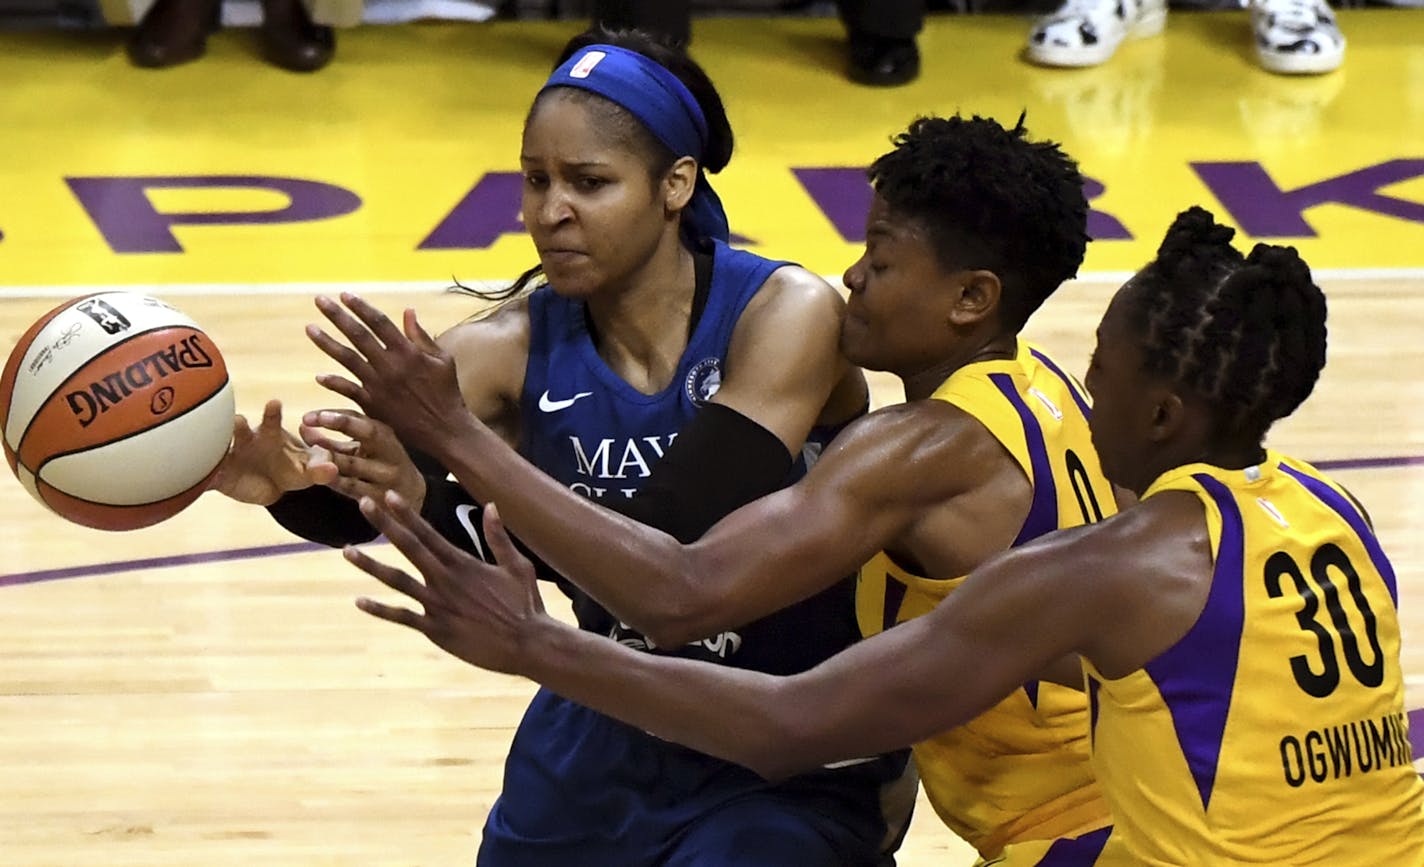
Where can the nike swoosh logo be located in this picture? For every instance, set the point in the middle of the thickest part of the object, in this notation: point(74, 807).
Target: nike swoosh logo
point(464, 513)
point(548, 405)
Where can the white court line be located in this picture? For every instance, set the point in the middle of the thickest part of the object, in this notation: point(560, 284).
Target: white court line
point(394, 287)
point(417, 287)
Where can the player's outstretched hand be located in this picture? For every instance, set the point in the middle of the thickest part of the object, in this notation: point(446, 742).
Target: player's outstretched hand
point(476, 611)
point(368, 460)
point(403, 378)
point(263, 464)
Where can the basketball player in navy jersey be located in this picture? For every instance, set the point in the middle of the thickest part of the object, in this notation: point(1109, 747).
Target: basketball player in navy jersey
point(1237, 628)
point(664, 374)
point(972, 226)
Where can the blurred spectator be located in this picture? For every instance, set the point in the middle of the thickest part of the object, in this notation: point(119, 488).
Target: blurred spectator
point(880, 36)
point(1291, 37)
point(670, 20)
point(171, 32)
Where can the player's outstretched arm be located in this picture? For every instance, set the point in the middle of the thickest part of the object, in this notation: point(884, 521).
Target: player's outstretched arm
point(775, 551)
point(1010, 619)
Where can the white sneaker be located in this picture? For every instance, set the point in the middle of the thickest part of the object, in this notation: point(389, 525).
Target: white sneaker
point(1297, 37)
point(1087, 32)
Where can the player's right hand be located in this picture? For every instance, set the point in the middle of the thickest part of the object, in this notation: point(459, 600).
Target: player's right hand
point(368, 462)
point(484, 613)
point(263, 464)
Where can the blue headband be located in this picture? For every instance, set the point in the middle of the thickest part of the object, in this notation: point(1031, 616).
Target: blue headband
point(662, 104)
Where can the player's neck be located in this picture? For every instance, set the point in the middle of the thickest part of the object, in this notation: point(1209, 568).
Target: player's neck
point(1236, 456)
point(922, 382)
point(641, 326)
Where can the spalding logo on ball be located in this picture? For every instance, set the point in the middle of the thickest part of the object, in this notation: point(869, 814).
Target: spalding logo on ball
point(116, 410)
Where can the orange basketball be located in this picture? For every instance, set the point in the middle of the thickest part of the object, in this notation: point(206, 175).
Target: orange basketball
point(116, 409)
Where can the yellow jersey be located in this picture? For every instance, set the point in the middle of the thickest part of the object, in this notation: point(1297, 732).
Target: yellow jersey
point(1274, 732)
point(1022, 770)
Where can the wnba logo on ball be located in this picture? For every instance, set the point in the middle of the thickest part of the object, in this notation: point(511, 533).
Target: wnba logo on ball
point(102, 394)
point(108, 318)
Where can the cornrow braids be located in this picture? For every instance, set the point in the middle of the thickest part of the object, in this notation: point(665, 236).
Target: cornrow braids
point(990, 198)
point(1246, 333)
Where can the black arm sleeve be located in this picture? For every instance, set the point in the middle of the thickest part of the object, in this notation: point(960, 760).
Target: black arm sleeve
point(720, 461)
point(319, 514)
point(322, 515)
point(326, 517)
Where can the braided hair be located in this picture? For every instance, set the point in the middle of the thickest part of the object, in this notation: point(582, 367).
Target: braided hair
point(1246, 333)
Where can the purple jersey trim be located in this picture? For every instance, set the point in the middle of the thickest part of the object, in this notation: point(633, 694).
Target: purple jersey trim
point(894, 598)
point(1196, 676)
point(1351, 516)
point(1068, 382)
point(1080, 851)
point(1094, 705)
point(1043, 513)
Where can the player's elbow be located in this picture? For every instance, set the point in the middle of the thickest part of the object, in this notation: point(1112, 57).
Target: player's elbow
point(682, 610)
point(784, 747)
point(679, 622)
point(776, 766)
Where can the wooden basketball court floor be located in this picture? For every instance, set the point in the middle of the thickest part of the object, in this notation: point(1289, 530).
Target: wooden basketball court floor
point(204, 693)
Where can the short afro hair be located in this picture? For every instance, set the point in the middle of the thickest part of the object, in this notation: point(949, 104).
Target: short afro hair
point(990, 198)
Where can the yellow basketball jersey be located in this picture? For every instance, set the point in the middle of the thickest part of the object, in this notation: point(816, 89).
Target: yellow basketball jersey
point(1022, 770)
point(1274, 732)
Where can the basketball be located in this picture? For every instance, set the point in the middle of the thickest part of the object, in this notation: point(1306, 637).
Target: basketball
point(116, 409)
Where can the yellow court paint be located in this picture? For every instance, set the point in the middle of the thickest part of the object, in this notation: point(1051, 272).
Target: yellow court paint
point(395, 164)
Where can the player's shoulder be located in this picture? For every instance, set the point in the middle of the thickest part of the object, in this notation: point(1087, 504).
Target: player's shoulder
point(491, 352)
point(791, 326)
point(1149, 554)
point(793, 291)
point(930, 439)
point(503, 329)
point(1169, 520)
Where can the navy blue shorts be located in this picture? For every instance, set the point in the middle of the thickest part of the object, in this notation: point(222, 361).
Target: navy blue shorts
point(581, 788)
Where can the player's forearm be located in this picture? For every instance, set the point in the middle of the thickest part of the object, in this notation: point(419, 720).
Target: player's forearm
point(633, 570)
point(725, 712)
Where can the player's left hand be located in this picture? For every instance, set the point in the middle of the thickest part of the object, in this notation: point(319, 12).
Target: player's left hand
point(265, 462)
point(480, 612)
point(404, 379)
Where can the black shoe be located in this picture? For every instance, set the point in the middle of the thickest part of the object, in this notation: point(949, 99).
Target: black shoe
point(883, 61)
point(291, 40)
point(174, 32)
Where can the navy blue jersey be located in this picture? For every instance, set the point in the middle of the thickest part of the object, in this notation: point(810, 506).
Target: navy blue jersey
point(581, 788)
point(588, 428)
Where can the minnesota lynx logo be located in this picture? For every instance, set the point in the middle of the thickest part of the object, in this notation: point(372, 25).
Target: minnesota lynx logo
point(703, 380)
